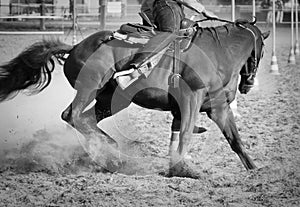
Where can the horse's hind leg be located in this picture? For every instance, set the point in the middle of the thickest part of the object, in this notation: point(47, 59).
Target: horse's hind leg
point(100, 111)
point(102, 108)
point(67, 115)
point(85, 122)
point(107, 104)
point(223, 117)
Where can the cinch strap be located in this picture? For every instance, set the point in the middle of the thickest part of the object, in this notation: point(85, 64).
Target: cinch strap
point(174, 79)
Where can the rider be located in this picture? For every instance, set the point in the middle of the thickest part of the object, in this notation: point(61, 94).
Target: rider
point(167, 16)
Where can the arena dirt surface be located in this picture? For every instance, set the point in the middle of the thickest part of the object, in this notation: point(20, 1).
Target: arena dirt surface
point(43, 164)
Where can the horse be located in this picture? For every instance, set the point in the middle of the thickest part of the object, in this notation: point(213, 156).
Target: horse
point(208, 75)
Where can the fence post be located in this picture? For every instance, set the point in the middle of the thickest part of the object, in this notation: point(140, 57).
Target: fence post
point(274, 64)
point(292, 59)
point(297, 51)
point(74, 26)
point(256, 83)
point(233, 10)
point(123, 8)
point(10, 8)
point(42, 11)
point(102, 4)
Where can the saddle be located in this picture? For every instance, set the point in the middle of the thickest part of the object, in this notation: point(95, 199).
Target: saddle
point(134, 33)
point(138, 34)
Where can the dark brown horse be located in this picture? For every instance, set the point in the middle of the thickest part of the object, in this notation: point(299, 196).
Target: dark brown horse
point(209, 72)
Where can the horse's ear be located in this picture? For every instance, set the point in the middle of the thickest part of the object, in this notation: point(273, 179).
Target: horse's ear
point(265, 35)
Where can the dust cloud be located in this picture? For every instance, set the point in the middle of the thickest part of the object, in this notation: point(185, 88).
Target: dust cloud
point(34, 138)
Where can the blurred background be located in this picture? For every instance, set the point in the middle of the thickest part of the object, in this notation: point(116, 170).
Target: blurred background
point(58, 14)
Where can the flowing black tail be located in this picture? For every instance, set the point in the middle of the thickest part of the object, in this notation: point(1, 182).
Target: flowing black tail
point(32, 68)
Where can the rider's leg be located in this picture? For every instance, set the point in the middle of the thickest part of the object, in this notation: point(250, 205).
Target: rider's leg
point(155, 45)
point(167, 17)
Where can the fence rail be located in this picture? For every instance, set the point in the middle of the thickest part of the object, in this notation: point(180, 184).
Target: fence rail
point(84, 12)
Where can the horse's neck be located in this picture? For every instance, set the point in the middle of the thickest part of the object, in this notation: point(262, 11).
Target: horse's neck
point(231, 46)
point(239, 44)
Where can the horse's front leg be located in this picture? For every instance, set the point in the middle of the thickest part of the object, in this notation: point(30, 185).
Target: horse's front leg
point(175, 131)
point(190, 103)
point(222, 115)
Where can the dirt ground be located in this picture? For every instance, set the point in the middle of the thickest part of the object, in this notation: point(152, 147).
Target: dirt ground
point(43, 164)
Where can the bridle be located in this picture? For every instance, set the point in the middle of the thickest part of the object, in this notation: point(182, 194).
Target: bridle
point(254, 63)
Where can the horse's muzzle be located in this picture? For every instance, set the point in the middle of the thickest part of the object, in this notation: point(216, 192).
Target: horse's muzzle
point(244, 88)
point(246, 84)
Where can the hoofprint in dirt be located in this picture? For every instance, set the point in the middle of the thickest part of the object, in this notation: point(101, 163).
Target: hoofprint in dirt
point(37, 175)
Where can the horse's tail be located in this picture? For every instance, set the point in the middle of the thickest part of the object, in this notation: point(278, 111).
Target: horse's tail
point(32, 68)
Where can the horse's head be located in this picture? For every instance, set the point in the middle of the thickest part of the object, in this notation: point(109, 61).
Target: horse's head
point(249, 70)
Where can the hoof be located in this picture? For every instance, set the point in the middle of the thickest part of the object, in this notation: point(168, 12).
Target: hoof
point(114, 164)
point(182, 169)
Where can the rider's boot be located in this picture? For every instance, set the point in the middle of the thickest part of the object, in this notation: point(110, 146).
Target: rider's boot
point(125, 80)
point(128, 76)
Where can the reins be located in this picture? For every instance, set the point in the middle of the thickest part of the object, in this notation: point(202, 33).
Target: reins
point(215, 19)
